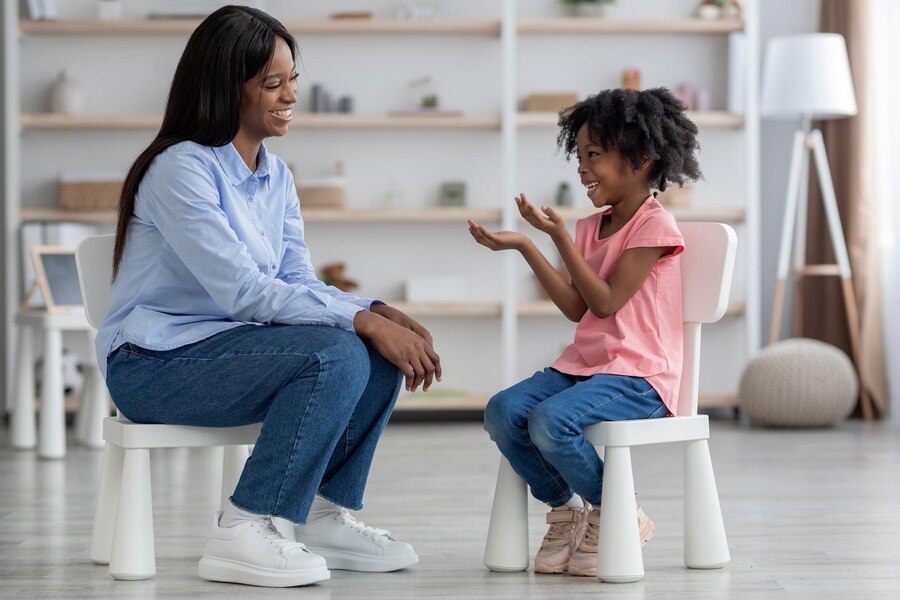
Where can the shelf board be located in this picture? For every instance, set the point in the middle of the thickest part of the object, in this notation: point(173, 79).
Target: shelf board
point(316, 27)
point(434, 400)
point(708, 119)
point(428, 215)
point(59, 215)
point(717, 401)
point(630, 26)
point(546, 308)
point(60, 121)
point(304, 121)
point(395, 27)
point(310, 215)
point(394, 215)
point(681, 213)
point(713, 119)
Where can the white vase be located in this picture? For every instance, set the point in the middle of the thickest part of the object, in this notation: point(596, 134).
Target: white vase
point(65, 96)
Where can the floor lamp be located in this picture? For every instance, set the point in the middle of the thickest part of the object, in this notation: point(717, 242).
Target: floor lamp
point(807, 77)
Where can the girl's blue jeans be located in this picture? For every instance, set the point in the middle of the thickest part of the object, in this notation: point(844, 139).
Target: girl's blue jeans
point(322, 394)
point(538, 425)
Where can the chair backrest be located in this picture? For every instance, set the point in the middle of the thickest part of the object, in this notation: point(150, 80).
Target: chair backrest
point(93, 257)
point(706, 268)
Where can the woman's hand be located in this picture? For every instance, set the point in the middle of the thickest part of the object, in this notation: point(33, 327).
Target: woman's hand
point(497, 240)
point(402, 319)
point(406, 349)
point(547, 220)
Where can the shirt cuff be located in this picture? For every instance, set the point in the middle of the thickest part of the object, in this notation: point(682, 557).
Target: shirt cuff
point(367, 303)
point(344, 313)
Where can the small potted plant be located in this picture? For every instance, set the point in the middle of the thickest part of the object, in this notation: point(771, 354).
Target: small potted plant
point(587, 8)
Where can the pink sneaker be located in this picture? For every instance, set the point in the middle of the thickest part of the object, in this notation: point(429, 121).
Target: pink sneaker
point(584, 561)
point(567, 526)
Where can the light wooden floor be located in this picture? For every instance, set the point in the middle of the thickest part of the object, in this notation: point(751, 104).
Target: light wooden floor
point(810, 514)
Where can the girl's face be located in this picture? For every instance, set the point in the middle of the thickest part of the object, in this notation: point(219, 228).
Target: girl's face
point(268, 98)
point(608, 176)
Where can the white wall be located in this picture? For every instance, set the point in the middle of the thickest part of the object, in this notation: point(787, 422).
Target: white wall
point(777, 18)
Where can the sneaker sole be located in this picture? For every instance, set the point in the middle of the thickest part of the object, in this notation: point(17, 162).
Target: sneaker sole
point(351, 561)
point(645, 533)
point(548, 570)
point(230, 571)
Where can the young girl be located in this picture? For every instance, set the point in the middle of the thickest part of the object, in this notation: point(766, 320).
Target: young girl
point(625, 294)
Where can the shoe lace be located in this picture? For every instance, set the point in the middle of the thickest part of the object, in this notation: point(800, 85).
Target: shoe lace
point(592, 531)
point(355, 524)
point(274, 537)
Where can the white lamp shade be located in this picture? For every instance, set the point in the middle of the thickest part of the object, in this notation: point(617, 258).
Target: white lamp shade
point(807, 75)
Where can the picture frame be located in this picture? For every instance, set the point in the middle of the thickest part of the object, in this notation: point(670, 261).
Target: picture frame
point(56, 275)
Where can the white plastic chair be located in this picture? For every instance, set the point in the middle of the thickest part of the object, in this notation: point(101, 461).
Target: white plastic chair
point(123, 522)
point(706, 268)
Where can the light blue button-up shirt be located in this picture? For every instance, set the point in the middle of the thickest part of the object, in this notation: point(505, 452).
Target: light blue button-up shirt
point(212, 246)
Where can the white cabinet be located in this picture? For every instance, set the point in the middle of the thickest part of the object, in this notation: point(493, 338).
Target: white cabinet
point(484, 58)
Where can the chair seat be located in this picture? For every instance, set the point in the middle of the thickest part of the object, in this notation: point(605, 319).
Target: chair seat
point(125, 434)
point(648, 431)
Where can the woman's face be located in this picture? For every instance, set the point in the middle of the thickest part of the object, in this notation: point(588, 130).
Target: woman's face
point(269, 97)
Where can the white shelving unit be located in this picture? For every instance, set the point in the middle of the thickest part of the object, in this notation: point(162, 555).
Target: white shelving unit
point(489, 338)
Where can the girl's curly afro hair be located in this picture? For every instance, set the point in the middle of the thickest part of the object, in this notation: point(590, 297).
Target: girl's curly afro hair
point(642, 125)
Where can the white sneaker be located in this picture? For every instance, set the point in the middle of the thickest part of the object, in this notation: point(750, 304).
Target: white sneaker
point(351, 545)
point(254, 553)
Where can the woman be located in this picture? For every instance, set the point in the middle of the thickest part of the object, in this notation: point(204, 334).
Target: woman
point(216, 317)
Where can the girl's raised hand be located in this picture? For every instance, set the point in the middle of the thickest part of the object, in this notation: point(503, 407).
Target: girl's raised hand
point(497, 240)
point(547, 220)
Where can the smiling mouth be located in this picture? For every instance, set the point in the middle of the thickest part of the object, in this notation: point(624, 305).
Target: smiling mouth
point(285, 114)
point(591, 186)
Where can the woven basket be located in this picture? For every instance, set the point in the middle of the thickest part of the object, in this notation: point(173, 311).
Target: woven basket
point(89, 195)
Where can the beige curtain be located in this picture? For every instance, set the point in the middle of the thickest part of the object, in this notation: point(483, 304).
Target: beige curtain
point(850, 147)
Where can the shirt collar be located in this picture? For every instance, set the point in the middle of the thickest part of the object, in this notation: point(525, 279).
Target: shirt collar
point(235, 168)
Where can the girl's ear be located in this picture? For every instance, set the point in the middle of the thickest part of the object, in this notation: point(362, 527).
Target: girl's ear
point(646, 163)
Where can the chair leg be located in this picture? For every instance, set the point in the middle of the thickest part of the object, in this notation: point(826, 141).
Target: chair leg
point(507, 541)
point(52, 418)
point(23, 430)
point(133, 555)
point(619, 557)
point(93, 408)
point(705, 545)
point(107, 504)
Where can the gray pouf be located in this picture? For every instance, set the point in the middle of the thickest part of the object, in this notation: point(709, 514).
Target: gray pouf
point(799, 382)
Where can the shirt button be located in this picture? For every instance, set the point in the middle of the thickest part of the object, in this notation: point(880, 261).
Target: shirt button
point(249, 198)
point(272, 267)
point(262, 233)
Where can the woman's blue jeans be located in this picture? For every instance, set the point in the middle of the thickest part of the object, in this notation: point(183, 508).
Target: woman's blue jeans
point(322, 394)
point(538, 425)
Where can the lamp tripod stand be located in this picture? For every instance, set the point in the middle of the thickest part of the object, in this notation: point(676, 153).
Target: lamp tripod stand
point(795, 223)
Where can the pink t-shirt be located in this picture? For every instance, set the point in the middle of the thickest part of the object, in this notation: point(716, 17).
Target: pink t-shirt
point(644, 337)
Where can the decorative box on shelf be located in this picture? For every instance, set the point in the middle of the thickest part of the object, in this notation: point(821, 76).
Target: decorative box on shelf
point(549, 103)
point(322, 193)
point(77, 194)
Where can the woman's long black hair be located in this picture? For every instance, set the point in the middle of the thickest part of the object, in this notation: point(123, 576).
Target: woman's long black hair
point(642, 125)
point(226, 50)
